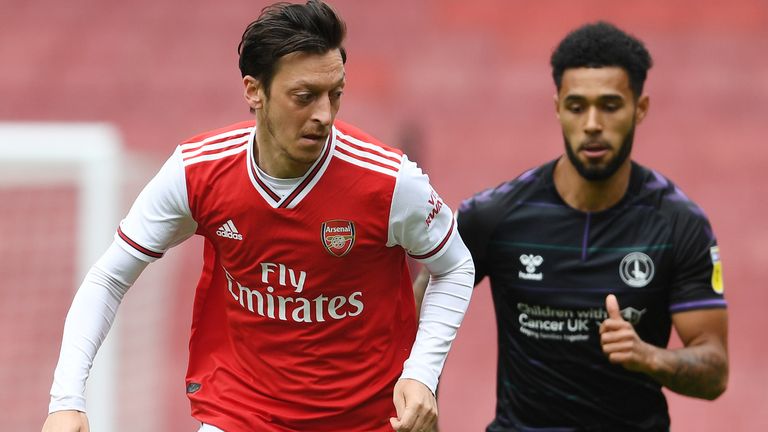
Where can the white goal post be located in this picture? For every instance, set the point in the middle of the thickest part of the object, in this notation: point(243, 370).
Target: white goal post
point(86, 156)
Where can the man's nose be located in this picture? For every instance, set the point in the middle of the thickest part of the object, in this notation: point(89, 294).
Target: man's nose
point(594, 124)
point(323, 112)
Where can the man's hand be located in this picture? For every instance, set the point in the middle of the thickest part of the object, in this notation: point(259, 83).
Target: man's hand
point(66, 421)
point(415, 405)
point(621, 343)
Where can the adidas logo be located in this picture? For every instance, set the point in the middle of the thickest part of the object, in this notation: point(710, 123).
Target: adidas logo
point(228, 230)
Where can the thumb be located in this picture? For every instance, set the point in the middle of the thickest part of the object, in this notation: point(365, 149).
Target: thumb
point(398, 398)
point(612, 306)
point(395, 423)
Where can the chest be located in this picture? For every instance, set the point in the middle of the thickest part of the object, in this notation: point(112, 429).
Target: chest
point(577, 258)
point(339, 225)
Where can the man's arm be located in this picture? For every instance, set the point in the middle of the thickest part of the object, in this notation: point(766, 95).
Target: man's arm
point(421, 223)
point(419, 289)
point(444, 303)
point(445, 299)
point(159, 218)
point(88, 321)
point(700, 369)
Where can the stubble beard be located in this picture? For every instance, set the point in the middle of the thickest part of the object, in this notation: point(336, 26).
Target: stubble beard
point(601, 173)
point(278, 144)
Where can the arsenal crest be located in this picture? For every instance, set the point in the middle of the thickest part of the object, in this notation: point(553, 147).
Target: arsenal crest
point(338, 236)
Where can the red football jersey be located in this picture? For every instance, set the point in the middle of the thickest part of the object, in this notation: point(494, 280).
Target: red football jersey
point(304, 313)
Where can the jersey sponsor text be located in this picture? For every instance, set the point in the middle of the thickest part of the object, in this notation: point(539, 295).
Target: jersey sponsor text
point(264, 302)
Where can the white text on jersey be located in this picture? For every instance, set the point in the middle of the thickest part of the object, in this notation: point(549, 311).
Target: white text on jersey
point(264, 302)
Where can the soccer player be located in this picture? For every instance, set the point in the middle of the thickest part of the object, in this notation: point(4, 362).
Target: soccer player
point(304, 317)
point(592, 258)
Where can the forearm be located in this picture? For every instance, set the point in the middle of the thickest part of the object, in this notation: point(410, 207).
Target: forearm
point(88, 321)
point(697, 371)
point(445, 301)
point(700, 369)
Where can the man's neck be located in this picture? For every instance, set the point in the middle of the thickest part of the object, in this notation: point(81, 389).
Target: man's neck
point(273, 160)
point(590, 196)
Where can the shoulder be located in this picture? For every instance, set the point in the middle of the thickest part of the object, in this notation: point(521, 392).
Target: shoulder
point(349, 133)
point(504, 196)
point(668, 198)
point(216, 144)
point(222, 132)
point(662, 203)
point(363, 150)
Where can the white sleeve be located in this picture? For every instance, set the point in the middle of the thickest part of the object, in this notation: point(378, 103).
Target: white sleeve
point(422, 224)
point(88, 321)
point(419, 220)
point(452, 277)
point(160, 217)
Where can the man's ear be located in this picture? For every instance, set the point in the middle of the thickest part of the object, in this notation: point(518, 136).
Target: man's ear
point(642, 108)
point(253, 92)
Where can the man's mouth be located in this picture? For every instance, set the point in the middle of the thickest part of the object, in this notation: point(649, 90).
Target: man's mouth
point(595, 149)
point(315, 136)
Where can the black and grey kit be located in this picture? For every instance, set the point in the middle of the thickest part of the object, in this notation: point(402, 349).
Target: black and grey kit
point(551, 267)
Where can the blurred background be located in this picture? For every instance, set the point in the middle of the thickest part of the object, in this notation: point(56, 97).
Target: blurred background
point(464, 87)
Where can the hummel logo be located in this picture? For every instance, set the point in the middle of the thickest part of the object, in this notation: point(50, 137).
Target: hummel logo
point(530, 262)
point(228, 230)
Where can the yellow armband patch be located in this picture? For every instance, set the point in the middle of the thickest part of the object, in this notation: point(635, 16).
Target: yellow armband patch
point(717, 270)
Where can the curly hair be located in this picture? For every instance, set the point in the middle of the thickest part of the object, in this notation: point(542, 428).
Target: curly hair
point(602, 44)
point(284, 28)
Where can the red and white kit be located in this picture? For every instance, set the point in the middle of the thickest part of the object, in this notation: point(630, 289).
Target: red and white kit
point(304, 314)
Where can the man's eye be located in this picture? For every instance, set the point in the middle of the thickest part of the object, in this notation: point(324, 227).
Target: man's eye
point(575, 108)
point(304, 98)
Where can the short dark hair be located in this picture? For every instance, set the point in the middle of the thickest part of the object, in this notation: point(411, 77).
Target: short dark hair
point(284, 28)
point(602, 44)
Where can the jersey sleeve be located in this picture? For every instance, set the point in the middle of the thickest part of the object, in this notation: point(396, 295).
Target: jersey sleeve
point(88, 321)
point(160, 217)
point(446, 300)
point(697, 281)
point(419, 220)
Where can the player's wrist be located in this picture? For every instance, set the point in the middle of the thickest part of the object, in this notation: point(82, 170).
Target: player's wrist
point(654, 363)
point(415, 379)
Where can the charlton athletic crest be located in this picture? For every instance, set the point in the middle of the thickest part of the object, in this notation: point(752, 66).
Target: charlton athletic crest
point(338, 236)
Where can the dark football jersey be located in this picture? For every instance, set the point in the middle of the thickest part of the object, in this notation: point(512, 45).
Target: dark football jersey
point(551, 267)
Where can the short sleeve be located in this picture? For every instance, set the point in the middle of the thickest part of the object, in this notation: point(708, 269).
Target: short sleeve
point(697, 281)
point(160, 217)
point(419, 220)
